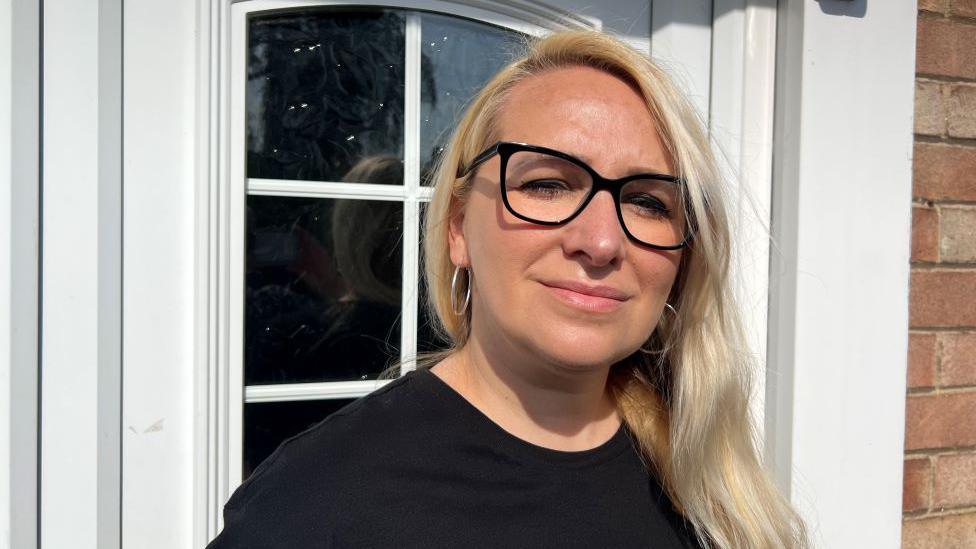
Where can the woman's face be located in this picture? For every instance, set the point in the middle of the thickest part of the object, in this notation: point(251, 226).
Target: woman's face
point(539, 292)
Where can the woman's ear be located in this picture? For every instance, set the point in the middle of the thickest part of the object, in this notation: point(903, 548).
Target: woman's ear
point(455, 237)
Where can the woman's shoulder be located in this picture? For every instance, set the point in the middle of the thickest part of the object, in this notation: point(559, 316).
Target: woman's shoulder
point(312, 476)
point(346, 443)
point(353, 430)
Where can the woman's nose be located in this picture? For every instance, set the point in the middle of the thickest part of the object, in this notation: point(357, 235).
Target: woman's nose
point(595, 233)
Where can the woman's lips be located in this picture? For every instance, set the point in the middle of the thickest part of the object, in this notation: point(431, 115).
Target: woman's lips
point(587, 297)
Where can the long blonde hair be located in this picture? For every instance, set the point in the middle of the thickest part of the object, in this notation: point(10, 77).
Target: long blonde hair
point(684, 395)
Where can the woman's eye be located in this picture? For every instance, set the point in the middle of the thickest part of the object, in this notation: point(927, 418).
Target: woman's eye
point(647, 204)
point(544, 187)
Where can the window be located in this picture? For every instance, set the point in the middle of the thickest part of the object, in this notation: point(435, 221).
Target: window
point(345, 113)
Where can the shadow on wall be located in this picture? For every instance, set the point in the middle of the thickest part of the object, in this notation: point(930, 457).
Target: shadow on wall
point(848, 8)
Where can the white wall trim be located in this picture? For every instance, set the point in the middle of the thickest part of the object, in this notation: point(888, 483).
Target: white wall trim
point(840, 274)
point(19, 249)
point(81, 310)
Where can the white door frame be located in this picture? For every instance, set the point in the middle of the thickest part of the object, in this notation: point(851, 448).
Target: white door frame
point(838, 339)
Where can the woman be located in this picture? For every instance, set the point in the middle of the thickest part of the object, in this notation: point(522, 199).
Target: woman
point(596, 391)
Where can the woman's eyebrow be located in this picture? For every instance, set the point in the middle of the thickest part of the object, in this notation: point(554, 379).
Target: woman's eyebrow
point(640, 170)
point(535, 161)
point(658, 171)
point(631, 169)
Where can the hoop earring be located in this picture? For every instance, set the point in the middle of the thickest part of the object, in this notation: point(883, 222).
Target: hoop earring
point(467, 294)
point(674, 312)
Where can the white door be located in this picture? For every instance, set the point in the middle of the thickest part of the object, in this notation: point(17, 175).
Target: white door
point(240, 199)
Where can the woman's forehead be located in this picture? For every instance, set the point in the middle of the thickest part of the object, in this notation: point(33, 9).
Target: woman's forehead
point(588, 113)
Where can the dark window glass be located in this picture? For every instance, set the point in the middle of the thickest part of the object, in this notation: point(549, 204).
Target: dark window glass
point(323, 287)
point(457, 59)
point(325, 90)
point(268, 424)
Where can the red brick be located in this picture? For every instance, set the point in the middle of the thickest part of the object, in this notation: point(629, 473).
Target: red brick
point(958, 359)
point(944, 532)
point(946, 48)
point(915, 491)
point(921, 360)
point(944, 172)
point(943, 299)
point(962, 8)
point(961, 110)
point(925, 234)
point(940, 421)
point(955, 481)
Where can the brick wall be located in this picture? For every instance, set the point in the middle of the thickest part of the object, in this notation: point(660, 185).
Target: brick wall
point(939, 503)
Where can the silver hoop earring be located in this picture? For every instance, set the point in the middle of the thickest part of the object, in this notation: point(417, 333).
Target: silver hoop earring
point(642, 349)
point(454, 293)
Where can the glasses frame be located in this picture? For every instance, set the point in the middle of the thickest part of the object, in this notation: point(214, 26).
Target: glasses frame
point(505, 149)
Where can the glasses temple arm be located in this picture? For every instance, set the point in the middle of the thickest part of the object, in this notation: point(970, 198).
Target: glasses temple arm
point(478, 160)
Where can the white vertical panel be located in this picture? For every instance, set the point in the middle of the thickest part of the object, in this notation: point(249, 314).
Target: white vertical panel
point(681, 41)
point(19, 185)
point(741, 127)
point(842, 211)
point(210, 433)
point(411, 182)
point(6, 269)
point(81, 266)
point(161, 184)
point(233, 233)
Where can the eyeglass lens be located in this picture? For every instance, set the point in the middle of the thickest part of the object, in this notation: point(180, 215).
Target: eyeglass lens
point(549, 189)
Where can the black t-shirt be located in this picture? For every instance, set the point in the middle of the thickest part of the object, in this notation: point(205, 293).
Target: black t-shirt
point(414, 464)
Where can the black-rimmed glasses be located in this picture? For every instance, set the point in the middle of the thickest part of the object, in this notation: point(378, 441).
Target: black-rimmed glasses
point(549, 187)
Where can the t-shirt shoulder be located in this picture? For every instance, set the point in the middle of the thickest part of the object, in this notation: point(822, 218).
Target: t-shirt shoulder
point(324, 451)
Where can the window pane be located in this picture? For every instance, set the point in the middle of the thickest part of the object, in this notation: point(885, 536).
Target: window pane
point(268, 424)
point(458, 58)
point(322, 297)
point(320, 97)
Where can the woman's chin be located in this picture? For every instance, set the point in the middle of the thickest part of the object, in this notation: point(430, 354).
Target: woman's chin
point(580, 355)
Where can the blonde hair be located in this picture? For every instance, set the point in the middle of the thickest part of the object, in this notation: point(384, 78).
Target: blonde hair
point(684, 395)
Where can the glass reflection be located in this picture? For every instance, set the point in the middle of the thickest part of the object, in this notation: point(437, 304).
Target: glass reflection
point(457, 59)
point(323, 284)
point(268, 424)
point(319, 96)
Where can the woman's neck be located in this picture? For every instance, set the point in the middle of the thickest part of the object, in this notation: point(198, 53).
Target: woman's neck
point(543, 404)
